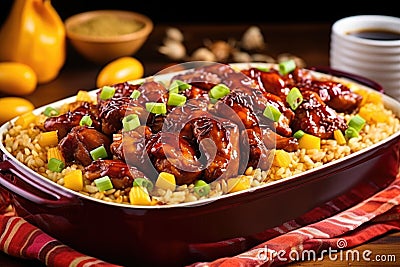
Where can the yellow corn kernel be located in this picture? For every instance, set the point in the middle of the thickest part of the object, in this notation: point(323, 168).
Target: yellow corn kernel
point(73, 180)
point(84, 96)
point(238, 184)
point(25, 119)
point(138, 196)
point(48, 139)
point(54, 152)
point(339, 137)
point(282, 158)
point(166, 181)
point(309, 141)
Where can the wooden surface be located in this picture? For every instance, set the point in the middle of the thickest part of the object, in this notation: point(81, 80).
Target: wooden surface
point(307, 41)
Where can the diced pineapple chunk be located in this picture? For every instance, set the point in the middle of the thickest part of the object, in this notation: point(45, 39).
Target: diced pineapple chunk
point(166, 181)
point(84, 96)
point(73, 180)
point(282, 158)
point(54, 152)
point(25, 119)
point(238, 184)
point(138, 196)
point(48, 139)
point(373, 113)
point(309, 141)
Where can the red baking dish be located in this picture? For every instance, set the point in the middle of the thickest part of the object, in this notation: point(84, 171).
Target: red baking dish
point(177, 235)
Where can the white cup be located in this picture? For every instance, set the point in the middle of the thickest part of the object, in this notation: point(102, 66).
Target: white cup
point(358, 46)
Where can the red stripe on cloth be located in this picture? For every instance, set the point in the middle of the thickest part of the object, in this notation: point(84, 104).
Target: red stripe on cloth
point(346, 229)
point(23, 240)
point(61, 256)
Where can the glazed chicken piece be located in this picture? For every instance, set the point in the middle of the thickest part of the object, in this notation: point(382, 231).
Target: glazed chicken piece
point(218, 143)
point(152, 91)
point(253, 150)
point(121, 174)
point(205, 77)
point(77, 144)
point(65, 122)
point(214, 140)
point(113, 110)
point(123, 89)
point(195, 92)
point(254, 87)
point(269, 81)
point(336, 95)
point(313, 116)
point(170, 153)
point(238, 108)
point(245, 108)
point(130, 147)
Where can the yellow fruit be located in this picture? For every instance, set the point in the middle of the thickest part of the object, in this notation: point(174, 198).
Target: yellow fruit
point(34, 34)
point(17, 78)
point(11, 107)
point(120, 70)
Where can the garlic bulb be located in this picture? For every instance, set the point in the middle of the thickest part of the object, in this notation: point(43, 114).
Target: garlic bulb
point(174, 34)
point(221, 49)
point(253, 39)
point(173, 49)
point(203, 54)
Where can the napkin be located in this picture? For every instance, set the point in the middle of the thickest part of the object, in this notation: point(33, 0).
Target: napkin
point(339, 229)
point(342, 223)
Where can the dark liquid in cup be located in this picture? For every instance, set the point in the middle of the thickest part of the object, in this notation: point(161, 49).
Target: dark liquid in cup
point(376, 34)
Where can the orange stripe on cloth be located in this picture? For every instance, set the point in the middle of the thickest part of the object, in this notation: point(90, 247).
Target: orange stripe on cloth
point(346, 229)
point(23, 240)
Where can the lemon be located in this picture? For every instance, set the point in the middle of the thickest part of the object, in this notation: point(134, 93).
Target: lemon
point(120, 70)
point(13, 106)
point(17, 78)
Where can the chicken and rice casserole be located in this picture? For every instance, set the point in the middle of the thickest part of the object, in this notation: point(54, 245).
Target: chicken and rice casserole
point(209, 131)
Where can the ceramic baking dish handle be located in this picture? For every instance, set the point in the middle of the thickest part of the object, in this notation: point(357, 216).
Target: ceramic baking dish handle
point(52, 199)
point(360, 79)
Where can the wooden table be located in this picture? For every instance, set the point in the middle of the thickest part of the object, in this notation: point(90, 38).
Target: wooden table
point(307, 41)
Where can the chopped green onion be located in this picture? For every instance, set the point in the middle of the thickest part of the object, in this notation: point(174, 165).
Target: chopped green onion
point(219, 91)
point(213, 100)
point(294, 98)
point(143, 182)
point(50, 112)
point(99, 153)
point(86, 121)
point(175, 99)
point(265, 69)
point(272, 113)
point(201, 188)
point(178, 86)
point(357, 122)
point(286, 67)
point(130, 122)
point(298, 134)
point(156, 108)
point(350, 132)
point(135, 94)
point(103, 183)
point(55, 165)
point(107, 92)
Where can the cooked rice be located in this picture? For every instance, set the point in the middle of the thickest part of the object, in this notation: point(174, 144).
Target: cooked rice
point(23, 144)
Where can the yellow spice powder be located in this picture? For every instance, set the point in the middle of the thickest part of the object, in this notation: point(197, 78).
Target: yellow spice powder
point(108, 25)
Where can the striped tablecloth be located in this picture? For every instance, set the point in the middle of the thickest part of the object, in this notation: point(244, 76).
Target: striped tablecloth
point(326, 228)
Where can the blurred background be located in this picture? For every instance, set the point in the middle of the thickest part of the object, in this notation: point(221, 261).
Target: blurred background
point(207, 11)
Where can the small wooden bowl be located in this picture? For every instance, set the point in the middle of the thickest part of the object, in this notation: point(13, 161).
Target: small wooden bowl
point(102, 47)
